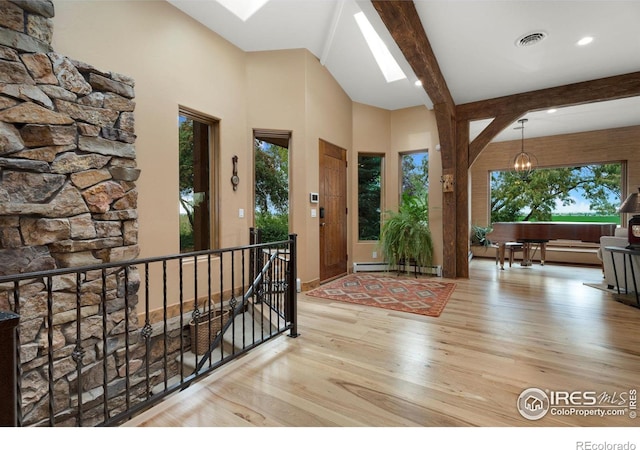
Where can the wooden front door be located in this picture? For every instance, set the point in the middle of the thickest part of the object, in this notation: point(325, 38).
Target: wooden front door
point(333, 211)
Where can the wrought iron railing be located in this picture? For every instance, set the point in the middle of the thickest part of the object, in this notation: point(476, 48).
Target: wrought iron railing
point(96, 345)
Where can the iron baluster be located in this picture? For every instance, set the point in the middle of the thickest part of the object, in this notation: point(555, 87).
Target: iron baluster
point(78, 351)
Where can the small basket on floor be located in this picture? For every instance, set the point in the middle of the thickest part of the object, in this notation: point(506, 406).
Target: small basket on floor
point(209, 321)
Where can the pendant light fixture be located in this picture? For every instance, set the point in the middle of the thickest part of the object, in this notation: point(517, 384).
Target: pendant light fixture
point(524, 162)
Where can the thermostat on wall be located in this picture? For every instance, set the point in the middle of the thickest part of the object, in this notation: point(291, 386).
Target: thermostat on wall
point(314, 197)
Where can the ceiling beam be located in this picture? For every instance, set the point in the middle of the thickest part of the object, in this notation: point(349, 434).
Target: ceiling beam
point(495, 127)
point(402, 20)
point(602, 89)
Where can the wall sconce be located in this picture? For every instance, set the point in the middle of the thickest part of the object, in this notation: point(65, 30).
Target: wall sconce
point(234, 178)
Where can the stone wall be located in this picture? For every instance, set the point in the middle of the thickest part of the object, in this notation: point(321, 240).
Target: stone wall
point(67, 198)
point(66, 133)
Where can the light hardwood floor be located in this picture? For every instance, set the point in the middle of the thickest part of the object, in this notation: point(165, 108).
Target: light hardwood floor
point(501, 332)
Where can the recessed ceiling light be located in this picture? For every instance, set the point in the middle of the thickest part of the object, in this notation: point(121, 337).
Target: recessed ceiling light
point(243, 9)
point(551, 111)
point(585, 41)
point(390, 68)
point(418, 83)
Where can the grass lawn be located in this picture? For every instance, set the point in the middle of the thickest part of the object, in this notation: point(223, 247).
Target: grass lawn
point(584, 218)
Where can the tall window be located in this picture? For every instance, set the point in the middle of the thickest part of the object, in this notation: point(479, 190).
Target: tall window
point(415, 173)
point(195, 143)
point(369, 196)
point(588, 193)
point(271, 174)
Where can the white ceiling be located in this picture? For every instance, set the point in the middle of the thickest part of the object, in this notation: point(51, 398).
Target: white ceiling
point(474, 42)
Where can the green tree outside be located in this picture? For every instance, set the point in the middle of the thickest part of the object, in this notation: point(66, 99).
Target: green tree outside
point(369, 197)
point(533, 198)
point(271, 191)
point(185, 180)
point(415, 176)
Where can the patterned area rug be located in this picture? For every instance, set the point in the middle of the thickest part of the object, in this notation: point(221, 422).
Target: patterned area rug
point(425, 296)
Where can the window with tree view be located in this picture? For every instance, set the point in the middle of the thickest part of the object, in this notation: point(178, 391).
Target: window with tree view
point(194, 182)
point(271, 156)
point(590, 193)
point(369, 196)
point(415, 174)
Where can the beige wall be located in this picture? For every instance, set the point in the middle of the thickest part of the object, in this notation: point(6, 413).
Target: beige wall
point(416, 129)
point(328, 116)
point(389, 133)
point(289, 90)
point(175, 62)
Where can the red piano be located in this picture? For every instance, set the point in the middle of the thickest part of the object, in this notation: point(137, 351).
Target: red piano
point(529, 233)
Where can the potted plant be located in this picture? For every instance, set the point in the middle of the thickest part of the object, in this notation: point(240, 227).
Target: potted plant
point(405, 237)
point(479, 236)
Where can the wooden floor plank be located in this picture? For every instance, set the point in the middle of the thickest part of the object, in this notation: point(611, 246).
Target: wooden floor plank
point(501, 332)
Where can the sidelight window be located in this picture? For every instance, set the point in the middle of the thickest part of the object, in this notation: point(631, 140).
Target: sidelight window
point(195, 170)
point(369, 196)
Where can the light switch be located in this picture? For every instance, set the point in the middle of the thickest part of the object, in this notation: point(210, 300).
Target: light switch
point(313, 212)
point(241, 213)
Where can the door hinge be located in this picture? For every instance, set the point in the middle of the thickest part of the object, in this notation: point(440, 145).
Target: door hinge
point(346, 210)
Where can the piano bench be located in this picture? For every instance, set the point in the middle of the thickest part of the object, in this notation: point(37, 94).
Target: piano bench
point(512, 248)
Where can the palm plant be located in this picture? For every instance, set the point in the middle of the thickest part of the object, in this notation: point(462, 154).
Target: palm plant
point(405, 235)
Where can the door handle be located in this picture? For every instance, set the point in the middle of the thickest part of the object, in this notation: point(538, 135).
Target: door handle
point(322, 224)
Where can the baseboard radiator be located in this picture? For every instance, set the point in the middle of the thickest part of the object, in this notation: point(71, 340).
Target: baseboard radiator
point(384, 267)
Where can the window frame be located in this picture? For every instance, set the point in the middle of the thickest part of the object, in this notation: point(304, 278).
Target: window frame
point(213, 154)
point(401, 155)
point(382, 157)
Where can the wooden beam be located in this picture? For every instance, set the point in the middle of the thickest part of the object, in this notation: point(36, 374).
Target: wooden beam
point(402, 20)
point(610, 88)
point(461, 231)
point(404, 24)
point(446, 131)
point(495, 127)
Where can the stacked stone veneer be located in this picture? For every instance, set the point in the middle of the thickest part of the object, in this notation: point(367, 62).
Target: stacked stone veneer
point(67, 159)
point(67, 198)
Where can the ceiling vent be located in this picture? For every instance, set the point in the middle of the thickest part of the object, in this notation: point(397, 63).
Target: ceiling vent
point(530, 39)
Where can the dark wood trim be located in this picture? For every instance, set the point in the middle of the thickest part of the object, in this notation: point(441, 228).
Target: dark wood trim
point(461, 229)
point(403, 22)
point(446, 131)
point(610, 88)
point(495, 127)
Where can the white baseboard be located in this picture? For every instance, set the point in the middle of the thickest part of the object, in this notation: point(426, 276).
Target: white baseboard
point(370, 267)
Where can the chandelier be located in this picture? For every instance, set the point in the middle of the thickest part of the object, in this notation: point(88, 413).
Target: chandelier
point(524, 162)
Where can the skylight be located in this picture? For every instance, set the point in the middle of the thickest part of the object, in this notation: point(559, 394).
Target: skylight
point(388, 65)
point(243, 9)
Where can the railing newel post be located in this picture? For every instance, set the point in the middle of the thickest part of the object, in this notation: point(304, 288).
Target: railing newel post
point(293, 286)
point(8, 376)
